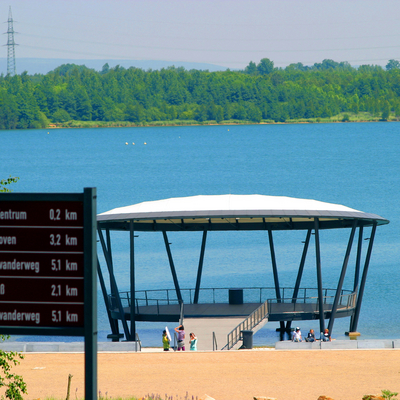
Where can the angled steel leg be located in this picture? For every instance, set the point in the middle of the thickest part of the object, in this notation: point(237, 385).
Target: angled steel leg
point(132, 280)
point(363, 279)
point(172, 266)
point(114, 284)
point(342, 275)
point(275, 272)
point(299, 274)
point(113, 323)
point(200, 269)
point(357, 269)
point(319, 277)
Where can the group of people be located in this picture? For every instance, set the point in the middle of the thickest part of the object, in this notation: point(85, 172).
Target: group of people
point(180, 332)
point(296, 336)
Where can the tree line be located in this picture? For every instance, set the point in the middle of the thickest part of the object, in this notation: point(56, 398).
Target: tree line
point(260, 92)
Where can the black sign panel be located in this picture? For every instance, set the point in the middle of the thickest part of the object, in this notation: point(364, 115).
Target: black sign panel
point(42, 263)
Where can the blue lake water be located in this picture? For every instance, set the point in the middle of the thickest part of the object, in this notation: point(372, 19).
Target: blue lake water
point(357, 165)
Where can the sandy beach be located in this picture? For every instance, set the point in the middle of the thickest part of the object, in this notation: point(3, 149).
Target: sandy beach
point(223, 375)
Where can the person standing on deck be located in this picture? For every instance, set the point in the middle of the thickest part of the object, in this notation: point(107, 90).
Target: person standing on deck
point(165, 341)
point(193, 342)
point(180, 330)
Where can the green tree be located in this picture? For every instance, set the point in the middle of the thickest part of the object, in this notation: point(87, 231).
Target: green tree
point(14, 384)
point(61, 116)
point(385, 111)
point(219, 115)
point(254, 114)
point(135, 113)
point(4, 183)
point(392, 64)
point(251, 69)
point(105, 68)
point(265, 66)
point(201, 113)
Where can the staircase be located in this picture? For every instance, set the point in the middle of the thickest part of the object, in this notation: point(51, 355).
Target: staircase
point(258, 316)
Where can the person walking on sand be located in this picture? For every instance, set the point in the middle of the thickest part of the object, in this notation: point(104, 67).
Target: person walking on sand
point(193, 342)
point(165, 341)
point(180, 330)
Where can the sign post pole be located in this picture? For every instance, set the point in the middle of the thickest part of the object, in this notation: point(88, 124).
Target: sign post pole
point(90, 260)
point(48, 269)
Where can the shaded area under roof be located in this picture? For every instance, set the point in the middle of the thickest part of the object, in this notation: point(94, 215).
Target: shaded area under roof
point(234, 212)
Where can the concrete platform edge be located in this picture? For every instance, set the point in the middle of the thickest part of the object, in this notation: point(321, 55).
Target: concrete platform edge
point(340, 344)
point(121, 347)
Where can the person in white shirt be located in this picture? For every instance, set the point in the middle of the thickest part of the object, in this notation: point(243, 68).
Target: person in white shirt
point(296, 335)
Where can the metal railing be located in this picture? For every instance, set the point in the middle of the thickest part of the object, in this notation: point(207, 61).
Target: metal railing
point(138, 342)
point(308, 296)
point(247, 325)
point(295, 305)
point(145, 302)
point(221, 295)
point(215, 344)
point(290, 305)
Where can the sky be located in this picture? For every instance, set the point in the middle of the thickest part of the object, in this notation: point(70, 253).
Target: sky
point(228, 33)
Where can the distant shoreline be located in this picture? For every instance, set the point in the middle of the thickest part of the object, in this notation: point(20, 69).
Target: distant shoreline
point(175, 123)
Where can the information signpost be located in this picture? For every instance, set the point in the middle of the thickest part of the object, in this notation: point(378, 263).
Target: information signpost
point(47, 269)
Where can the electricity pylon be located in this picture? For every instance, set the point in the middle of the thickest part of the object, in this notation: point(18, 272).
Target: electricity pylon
point(11, 66)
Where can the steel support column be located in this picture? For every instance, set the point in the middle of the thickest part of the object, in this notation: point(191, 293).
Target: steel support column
point(200, 269)
point(114, 284)
point(112, 322)
point(274, 267)
point(319, 276)
point(342, 276)
point(109, 250)
point(357, 269)
point(275, 272)
point(358, 259)
point(132, 280)
point(300, 273)
point(172, 266)
point(363, 280)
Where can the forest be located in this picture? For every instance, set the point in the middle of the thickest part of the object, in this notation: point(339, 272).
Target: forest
point(73, 95)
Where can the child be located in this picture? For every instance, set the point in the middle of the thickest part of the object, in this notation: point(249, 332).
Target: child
point(165, 341)
point(193, 342)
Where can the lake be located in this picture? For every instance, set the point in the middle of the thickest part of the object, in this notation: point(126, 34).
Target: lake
point(354, 164)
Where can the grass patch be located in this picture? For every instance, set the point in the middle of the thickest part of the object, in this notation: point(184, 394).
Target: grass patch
point(342, 117)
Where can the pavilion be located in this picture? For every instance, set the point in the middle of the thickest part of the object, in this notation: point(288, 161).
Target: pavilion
point(206, 213)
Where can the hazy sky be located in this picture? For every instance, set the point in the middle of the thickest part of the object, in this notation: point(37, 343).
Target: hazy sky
point(229, 33)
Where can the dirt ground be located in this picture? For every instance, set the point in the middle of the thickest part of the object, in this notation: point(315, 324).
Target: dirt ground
point(222, 375)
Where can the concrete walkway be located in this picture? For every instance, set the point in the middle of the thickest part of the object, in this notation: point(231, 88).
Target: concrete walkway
point(128, 347)
point(202, 327)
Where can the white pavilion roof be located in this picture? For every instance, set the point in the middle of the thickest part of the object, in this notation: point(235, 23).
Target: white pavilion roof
point(246, 208)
